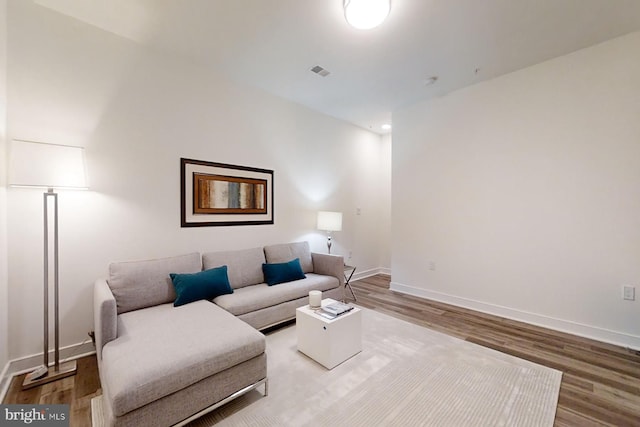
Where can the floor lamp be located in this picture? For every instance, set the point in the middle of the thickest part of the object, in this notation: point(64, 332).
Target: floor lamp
point(50, 166)
point(329, 221)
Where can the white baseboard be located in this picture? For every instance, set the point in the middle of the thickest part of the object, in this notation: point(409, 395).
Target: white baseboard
point(25, 364)
point(5, 380)
point(605, 335)
point(384, 270)
point(358, 275)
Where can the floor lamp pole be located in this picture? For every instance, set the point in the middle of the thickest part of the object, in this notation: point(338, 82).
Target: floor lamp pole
point(46, 270)
point(56, 288)
point(46, 374)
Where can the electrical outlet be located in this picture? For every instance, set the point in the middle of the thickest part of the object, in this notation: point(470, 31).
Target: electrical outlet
point(350, 253)
point(629, 292)
point(358, 211)
point(432, 265)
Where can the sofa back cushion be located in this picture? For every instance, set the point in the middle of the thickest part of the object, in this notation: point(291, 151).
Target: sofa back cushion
point(244, 267)
point(288, 251)
point(140, 284)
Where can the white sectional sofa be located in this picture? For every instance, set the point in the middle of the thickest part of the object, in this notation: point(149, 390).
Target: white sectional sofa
point(160, 364)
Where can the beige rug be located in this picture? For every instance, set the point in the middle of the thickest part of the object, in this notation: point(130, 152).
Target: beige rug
point(406, 375)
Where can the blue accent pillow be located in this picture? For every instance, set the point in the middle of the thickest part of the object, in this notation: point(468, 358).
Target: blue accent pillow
point(206, 284)
point(282, 272)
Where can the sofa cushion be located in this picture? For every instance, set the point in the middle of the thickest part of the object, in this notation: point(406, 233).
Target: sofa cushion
point(257, 297)
point(164, 349)
point(206, 285)
point(282, 272)
point(140, 284)
point(244, 266)
point(287, 251)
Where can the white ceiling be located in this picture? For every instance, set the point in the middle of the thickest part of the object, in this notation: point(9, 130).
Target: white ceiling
point(273, 44)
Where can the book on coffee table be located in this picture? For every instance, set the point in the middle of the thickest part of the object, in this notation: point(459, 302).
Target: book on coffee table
point(326, 315)
point(337, 308)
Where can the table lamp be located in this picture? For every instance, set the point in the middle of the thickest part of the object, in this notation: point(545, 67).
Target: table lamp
point(329, 221)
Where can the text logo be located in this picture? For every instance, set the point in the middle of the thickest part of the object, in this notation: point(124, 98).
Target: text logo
point(34, 415)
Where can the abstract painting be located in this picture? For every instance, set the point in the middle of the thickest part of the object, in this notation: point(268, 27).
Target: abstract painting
point(222, 194)
point(228, 194)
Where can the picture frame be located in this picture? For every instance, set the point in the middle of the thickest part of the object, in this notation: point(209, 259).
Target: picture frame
point(220, 194)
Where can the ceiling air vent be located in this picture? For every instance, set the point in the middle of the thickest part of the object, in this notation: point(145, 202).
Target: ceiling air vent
point(320, 71)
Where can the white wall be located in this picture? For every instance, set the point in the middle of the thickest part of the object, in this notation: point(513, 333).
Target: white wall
point(524, 193)
point(385, 205)
point(4, 296)
point(368, 217)
point(137, 112)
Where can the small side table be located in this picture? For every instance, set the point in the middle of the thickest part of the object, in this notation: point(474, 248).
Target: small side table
point(329, 341)
point(350, 270)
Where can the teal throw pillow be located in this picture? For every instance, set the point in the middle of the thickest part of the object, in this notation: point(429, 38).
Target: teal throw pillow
point(206, 284)
point(282, 272)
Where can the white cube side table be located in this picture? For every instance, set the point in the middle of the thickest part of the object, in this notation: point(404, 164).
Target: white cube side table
point(329, 341)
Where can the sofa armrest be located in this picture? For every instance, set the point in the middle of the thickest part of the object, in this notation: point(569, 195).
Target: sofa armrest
point(105, 315)
point(330, 265)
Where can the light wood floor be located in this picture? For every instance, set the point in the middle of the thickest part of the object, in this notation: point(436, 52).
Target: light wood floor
point(77, 391)
point(600, 383)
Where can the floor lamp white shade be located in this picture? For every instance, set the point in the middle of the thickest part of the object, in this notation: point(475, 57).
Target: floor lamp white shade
point(40, 165)
point(329, 221)
point(50, 166)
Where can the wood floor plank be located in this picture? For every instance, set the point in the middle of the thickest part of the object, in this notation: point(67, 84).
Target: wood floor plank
point(600, 382)
point(568, 418)
point(86, 385)
point(595, 409)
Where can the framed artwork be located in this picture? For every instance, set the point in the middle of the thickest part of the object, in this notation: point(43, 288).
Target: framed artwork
point(218, 194)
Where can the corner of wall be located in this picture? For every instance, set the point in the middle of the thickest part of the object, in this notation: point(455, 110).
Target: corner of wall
point(385, 215)
point(4, 328)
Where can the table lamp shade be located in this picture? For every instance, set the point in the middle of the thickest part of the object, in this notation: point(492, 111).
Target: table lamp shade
point(329, 221)
point(36, 164)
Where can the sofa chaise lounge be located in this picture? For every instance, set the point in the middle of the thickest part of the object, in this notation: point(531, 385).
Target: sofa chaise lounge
point(164, 365)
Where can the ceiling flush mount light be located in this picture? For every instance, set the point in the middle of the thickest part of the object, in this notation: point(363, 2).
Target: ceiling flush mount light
point(386, 126)
point(366, 14)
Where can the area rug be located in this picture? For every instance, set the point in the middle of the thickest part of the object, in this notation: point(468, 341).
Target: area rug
point(406, 375)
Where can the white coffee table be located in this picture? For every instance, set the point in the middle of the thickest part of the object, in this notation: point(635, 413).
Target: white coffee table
point(329, 341)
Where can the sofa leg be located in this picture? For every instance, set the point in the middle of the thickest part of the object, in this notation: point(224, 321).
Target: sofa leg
point(266, 387)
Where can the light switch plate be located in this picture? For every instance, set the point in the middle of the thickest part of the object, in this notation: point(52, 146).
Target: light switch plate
point(629, 292)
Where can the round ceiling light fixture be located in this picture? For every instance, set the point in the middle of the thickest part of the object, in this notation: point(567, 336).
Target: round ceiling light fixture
point(366, 14)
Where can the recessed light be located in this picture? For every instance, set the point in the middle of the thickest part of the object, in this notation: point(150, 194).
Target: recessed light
point(386, 126)
point(430, 80)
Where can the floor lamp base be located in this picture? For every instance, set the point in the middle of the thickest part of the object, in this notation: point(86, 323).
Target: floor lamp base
point(66, 369)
